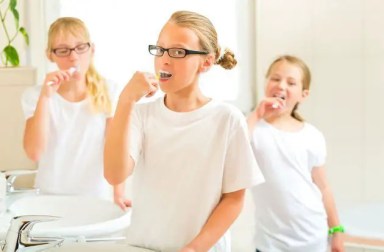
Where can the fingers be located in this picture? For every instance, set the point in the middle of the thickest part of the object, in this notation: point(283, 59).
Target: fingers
point(274, 103)
point(58, 77)
point(141, 84)
point(124, 204)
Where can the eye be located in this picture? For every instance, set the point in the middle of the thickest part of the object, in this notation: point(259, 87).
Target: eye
point(82, 47)
point(61, 50)
point(177, 52)
point(292, 83)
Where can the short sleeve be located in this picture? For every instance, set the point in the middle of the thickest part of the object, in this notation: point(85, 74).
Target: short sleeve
point(318, 151)
point(241, 169)
point(29, 101)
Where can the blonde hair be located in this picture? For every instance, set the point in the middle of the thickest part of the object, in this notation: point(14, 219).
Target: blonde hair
point(96, 84)
point(306, 77)
point(207, 34)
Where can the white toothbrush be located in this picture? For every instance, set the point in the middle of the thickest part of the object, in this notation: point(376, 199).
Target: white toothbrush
point(71, 70)
point(275, 105)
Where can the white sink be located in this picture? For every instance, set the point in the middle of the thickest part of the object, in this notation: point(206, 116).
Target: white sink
point(98, 247)
point(80, 216)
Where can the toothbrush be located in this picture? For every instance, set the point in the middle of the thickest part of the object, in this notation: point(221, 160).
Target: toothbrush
point(71, 70)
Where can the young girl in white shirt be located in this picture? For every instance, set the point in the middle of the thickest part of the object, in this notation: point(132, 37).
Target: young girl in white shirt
point(190, 154)
point(67, 117)
point(295, 207)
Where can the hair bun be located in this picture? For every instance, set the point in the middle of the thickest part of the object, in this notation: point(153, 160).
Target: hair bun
point(227, 59)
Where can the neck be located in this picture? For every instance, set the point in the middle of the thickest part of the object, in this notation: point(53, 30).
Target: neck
point(73, 91)
point(185, 103)
point(284, 121)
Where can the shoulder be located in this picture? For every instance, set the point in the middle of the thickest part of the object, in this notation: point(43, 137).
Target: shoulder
point(313, 131)
point(31, 92)
point(229, 111)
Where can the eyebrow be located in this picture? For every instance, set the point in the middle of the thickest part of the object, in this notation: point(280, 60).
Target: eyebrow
point(67, 46)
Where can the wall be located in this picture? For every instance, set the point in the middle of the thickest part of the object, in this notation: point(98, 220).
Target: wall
point(13, 82)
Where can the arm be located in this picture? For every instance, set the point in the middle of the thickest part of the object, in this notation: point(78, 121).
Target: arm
point(222, 217)
point(119, 196)
point(36, 130)
point(265, 105)
point(319, 178)
point(118, 163)
point(119, 189)
point(37, 127)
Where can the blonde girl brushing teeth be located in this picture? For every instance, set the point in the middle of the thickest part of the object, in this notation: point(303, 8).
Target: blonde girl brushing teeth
point(190, 154)
point(67, 116)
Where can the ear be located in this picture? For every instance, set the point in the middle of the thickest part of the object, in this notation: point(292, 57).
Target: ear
point(207, 63)
point(49, 55)
point(305, 94)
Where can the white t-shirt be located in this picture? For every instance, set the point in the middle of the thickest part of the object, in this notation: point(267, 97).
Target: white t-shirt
point(290, 215)
point(185, 162)
point(73, 160)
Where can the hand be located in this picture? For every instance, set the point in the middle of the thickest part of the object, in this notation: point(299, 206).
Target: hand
point(141, 84)
point(337, 243)
point(122, 202)
point(54, 79)
point(268, 104)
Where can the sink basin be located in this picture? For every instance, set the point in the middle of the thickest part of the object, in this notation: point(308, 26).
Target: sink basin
point(98, 247)
point(80, 216)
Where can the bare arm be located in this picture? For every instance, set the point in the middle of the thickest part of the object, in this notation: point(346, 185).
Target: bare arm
point(118, 163)
point(119, 196)
point(319, 178)
point(265, 105)
point(218, 223)
point(37, 127)
point(36, 130)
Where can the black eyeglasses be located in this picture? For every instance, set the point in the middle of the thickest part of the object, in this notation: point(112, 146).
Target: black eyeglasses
point(172, 52)
point(64, 51)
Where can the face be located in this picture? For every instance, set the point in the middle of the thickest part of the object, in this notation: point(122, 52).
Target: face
point(80, 59)
point(285, 82)
point(183, 71)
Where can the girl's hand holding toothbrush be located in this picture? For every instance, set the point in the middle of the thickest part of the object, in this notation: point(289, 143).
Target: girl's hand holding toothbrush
point(54, 79)
point(269, 103)
point(141, 84)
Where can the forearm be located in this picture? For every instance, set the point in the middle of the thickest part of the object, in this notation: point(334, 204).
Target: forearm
point(37, 130)
point(251, 121)
point(118, 164)
point(330, 207)
point(219, 222)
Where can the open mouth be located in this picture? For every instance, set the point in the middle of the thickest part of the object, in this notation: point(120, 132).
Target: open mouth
point(279, 96)
point(164, 75)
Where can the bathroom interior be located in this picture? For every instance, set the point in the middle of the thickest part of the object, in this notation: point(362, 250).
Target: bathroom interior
point(342, 41)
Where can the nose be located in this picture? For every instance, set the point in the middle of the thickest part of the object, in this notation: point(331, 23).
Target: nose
point(165, 59)
point(282, 84)
point(73, 54)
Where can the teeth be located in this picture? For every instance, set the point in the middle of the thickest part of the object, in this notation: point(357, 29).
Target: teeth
point(279, 96)
point(164, 74)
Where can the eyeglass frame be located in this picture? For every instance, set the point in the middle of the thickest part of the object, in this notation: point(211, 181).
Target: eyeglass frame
point(187, 51)
point(71, 49)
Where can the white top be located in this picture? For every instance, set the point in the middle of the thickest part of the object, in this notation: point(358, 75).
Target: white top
point(73, 160)
point(290, 214)
point(185, 162)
